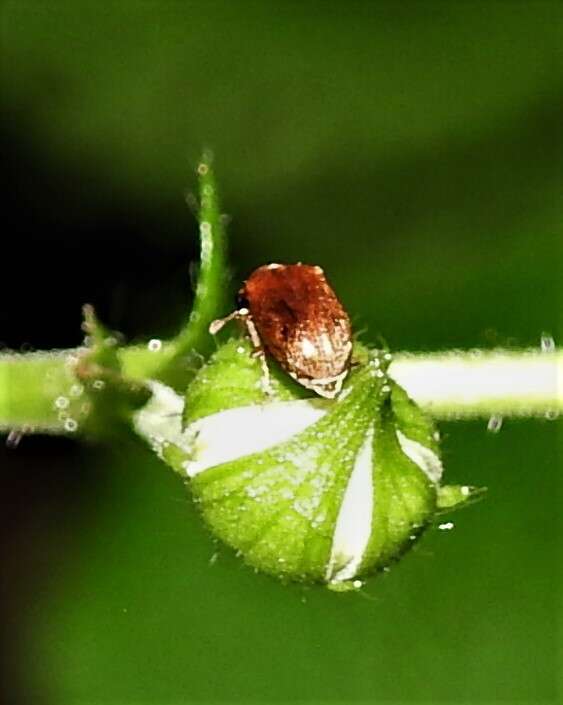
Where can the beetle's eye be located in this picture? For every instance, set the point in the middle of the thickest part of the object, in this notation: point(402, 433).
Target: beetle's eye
point(242, 301)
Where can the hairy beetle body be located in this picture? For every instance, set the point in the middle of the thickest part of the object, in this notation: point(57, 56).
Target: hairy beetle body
point(293, 314)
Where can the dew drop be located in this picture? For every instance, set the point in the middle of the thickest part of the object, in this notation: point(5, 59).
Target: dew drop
point(70, 425)
point(551, 415)
point(446, 526)
point(154, 345)
point(202, 169)
point(76, 390)
point(357, 584)
point(494, 424)
point(547, 343)
point(98, 384)
point(61, 403)
point(13, 439)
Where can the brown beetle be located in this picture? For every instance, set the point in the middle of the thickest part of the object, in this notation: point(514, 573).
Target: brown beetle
point(291, 312)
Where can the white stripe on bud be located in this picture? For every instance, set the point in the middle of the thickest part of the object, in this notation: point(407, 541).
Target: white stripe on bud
point(426, 459)
point(226, 435)
point(160, 420)
point(353, 526)
point(231, 434)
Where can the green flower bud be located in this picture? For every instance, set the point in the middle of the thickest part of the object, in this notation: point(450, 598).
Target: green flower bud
point(303, 488)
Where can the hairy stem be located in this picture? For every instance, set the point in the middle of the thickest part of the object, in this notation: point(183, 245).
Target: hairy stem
point(211, 294)
point(479, 383)
point(39, 392)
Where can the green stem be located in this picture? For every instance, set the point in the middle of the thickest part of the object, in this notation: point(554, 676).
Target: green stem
point(483, 383)
point(39, 392)
point(211, 300)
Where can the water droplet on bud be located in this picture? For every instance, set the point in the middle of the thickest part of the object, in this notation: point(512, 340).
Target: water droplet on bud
point(70, 425)
point(61, 403)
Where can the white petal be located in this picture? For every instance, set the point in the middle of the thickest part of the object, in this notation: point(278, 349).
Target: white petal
point(353, 526)
point(160, 420)
point(426, 459)
point(233, 433)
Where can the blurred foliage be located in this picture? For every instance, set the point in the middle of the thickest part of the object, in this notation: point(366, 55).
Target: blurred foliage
point(414, 151)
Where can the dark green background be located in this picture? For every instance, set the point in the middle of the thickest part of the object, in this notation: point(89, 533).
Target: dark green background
point(415, 151)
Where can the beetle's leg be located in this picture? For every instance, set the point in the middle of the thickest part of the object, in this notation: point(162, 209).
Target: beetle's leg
point(243, 315)
point(239, 314)
point(259, 353)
